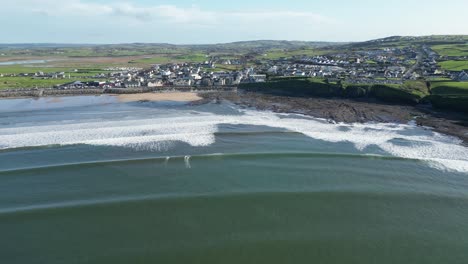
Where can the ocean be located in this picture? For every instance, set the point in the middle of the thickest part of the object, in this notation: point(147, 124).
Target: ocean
point(93, 180)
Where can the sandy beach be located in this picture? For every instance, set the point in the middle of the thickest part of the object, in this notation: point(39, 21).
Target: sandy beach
point(175, 96)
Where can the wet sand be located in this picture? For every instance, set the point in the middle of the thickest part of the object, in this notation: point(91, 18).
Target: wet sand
point(170, 96)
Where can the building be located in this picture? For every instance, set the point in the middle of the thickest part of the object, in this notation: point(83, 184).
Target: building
point(130, 84)
point(71, 85)
point(183, 82)
point(462, 77)
point(258, 78)
point(155, 83)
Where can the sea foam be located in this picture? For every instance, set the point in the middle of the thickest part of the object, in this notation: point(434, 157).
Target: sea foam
point(158, 134)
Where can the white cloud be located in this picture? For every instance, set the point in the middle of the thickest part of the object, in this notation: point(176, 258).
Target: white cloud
point(166, 13)
point(76, 19)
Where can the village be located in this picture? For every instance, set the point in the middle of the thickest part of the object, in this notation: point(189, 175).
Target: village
point(377, 66)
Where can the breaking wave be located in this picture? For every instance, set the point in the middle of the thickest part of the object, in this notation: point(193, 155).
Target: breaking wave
point(159, 134)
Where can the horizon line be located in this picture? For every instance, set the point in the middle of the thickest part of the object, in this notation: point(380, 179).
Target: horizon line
point(219, 43)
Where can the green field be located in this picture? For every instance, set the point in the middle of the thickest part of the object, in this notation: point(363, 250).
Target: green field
point(274, 54)
point(28, 82)
point(83, 74)
point(409, 93)
point(153, 60)
point(454, 65)
point(449, 88)
point(96, 51)
point(195, 57)
point(455, 50)
point(15, 69)
point(166, 58)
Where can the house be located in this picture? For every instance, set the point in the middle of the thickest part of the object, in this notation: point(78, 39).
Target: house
point(107, 85)
point(462, 77)
point(93, 84)
point(219, 82)
point(182, 82)
point(300, 73)
point(206, 81)
point(71, 85)
point(257, 78)
point(273, 70)
point(195, 76)
point(155, 83)
point(130, 84)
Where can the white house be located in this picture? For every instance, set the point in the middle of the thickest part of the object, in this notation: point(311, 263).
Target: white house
point(155, 83)
point(257, 78)
point(182, 82)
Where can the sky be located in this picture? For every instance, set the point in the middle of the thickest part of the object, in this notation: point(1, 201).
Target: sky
point(221, 21)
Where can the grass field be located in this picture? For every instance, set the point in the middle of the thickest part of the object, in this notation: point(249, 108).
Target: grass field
point(153, 60)
point(66, 64)
point(95, 51)
point(80, 73)
point(168, 58)
point(15, 69)
point(83, 74)
point(455, 50)
point(454, 65)
point(415, 87)
point(278, 53)
point(196, 57)
point(28, 82)
point(449, 88)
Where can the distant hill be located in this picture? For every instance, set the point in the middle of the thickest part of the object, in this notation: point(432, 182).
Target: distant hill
point(409, 40)
point(241, 45)
point(42, 45)
point(262, 44)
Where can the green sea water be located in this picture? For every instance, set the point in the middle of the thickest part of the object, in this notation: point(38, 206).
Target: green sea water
point(91, 180)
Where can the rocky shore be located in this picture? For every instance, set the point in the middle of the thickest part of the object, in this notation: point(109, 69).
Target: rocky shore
point(350, 111)
point(333, 109)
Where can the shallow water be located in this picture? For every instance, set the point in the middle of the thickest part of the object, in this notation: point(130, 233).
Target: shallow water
point(91, 180)
point(19, 62)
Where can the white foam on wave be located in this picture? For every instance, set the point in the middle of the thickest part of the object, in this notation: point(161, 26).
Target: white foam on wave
point(157, 133)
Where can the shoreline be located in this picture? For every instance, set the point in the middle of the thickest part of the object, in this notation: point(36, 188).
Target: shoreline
point(156, 97)
point(333, 109)
point(338, 110)
point(188, 97)
point(46, 92)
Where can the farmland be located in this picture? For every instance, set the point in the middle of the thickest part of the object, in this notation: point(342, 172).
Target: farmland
point(453, 65)
point(168, 58)
point(445, 87)
point(277, 53)
point(451, 50)
point(29, 82)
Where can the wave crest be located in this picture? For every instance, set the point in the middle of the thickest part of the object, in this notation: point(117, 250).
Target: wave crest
point(406, 141)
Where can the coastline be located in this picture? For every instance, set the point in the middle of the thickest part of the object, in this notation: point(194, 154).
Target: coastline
point(37, 93)
point(335, 110)
point(339, 110)
point(154, 97)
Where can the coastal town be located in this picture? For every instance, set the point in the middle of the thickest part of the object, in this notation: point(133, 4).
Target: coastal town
point(370, 66)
